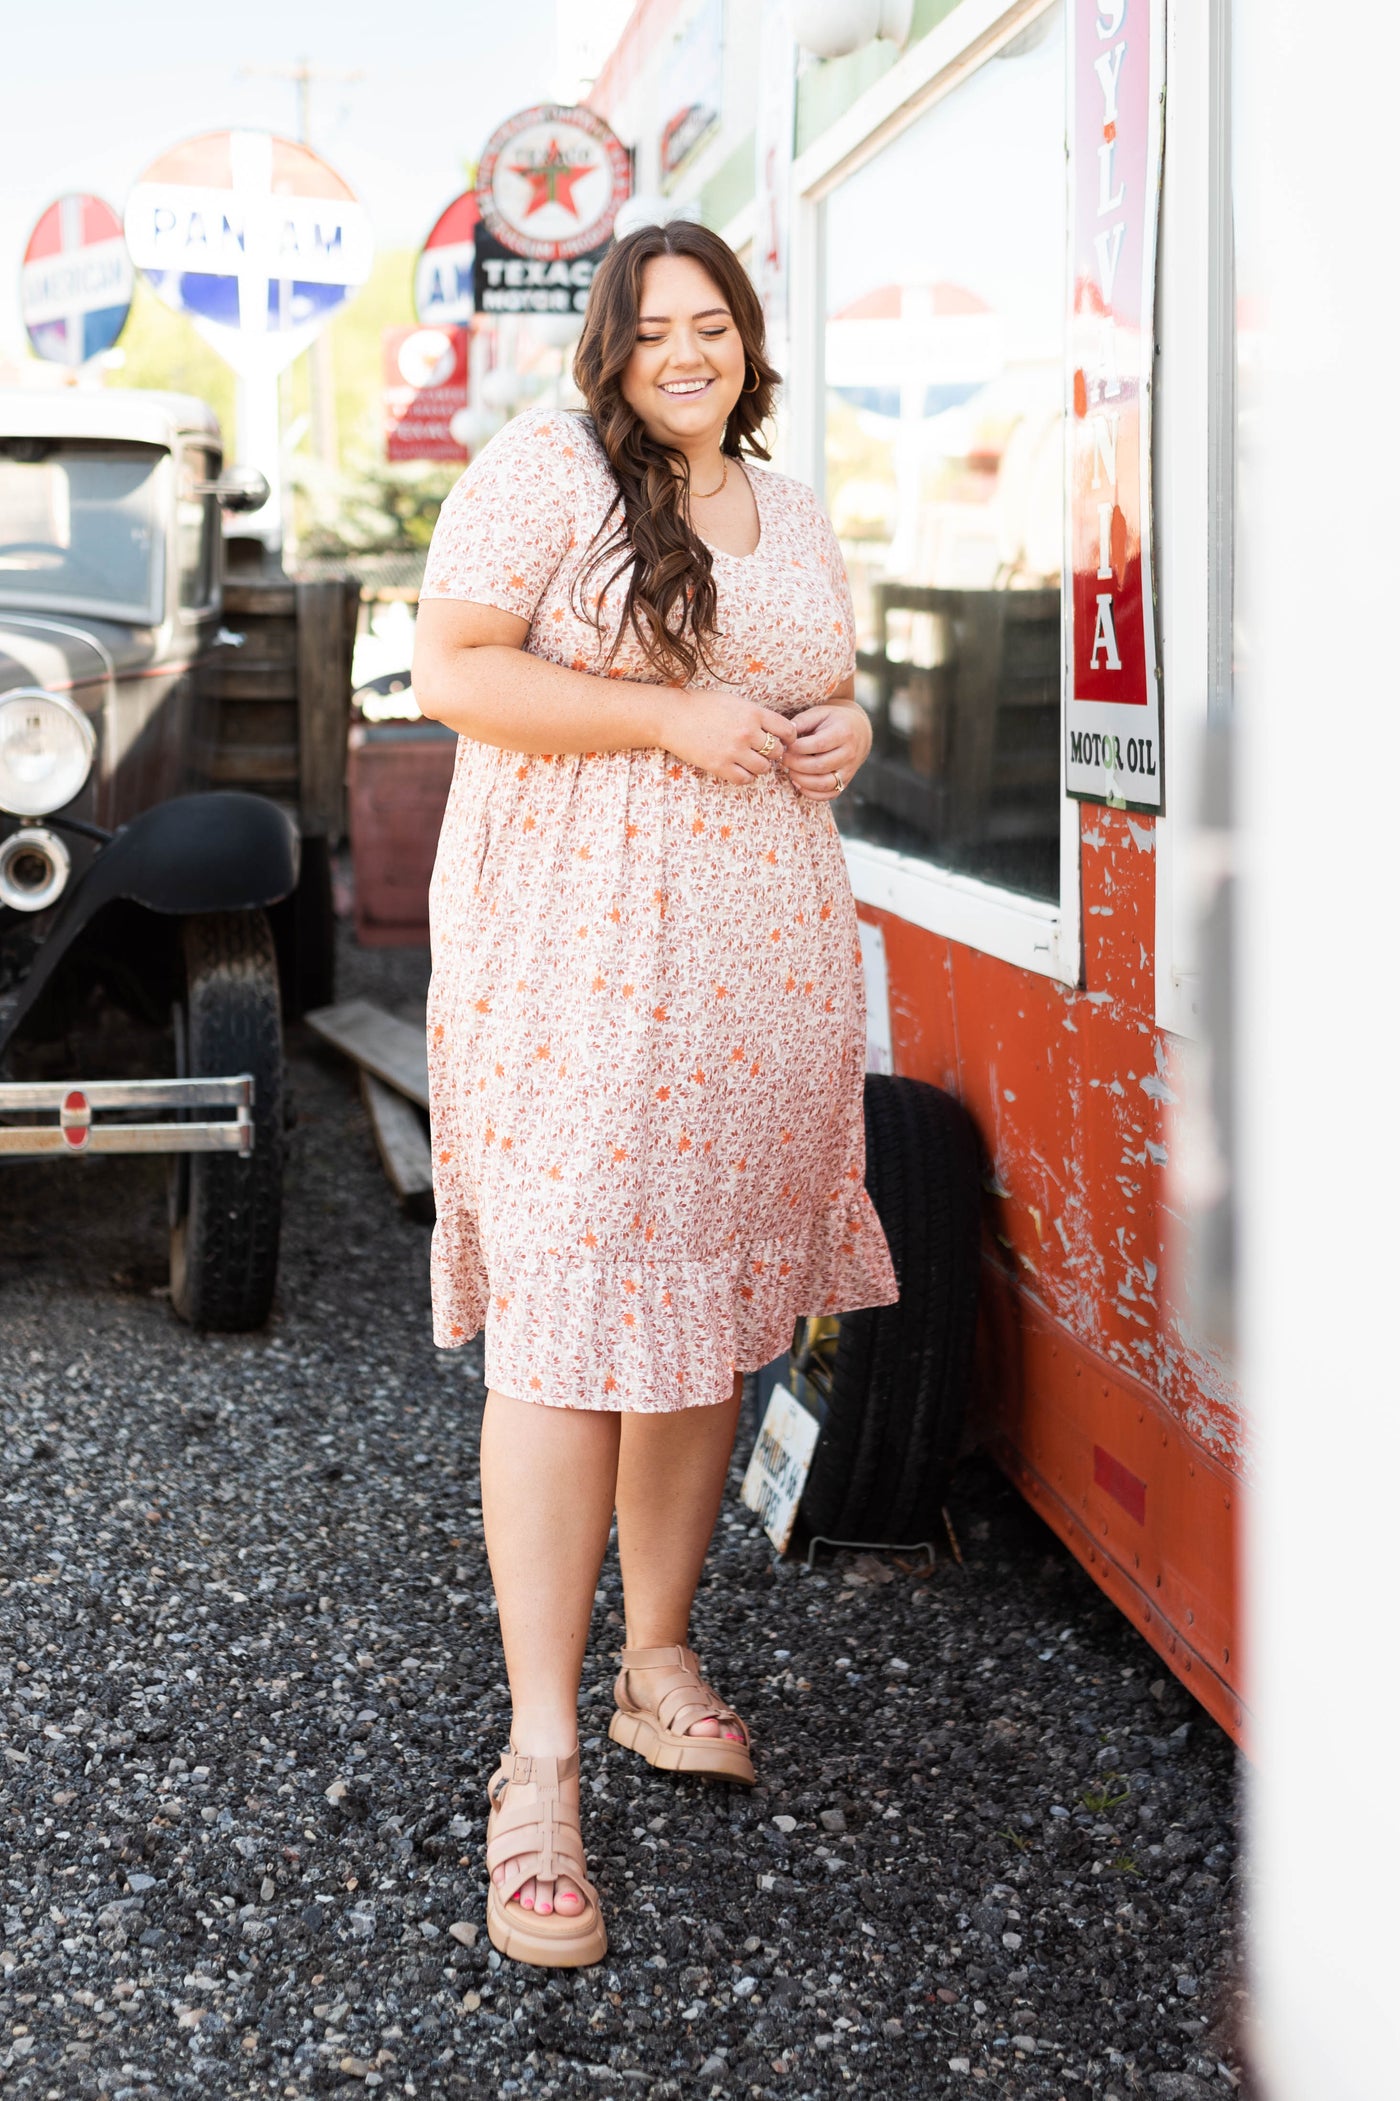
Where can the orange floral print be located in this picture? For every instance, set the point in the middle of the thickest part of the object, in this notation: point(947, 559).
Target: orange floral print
point(618, 1256)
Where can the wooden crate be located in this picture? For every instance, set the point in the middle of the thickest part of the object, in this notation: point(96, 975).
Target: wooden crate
point(276, 705)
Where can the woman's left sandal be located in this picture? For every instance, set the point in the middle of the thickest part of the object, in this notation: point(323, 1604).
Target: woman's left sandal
point(530, 1833)
point(660, 1696)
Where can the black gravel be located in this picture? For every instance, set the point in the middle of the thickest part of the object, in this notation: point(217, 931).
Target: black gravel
point(250, 1695)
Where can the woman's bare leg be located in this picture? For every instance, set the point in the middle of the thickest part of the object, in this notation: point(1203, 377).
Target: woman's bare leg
point(670, 1478)
point(548, 1483)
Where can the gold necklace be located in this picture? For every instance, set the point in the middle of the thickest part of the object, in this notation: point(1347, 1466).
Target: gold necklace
point(704, 495)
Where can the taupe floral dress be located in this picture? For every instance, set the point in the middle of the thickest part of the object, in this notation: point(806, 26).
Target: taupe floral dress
point(646, 1026)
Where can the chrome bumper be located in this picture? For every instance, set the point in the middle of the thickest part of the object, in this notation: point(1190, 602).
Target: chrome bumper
point(74, 1102)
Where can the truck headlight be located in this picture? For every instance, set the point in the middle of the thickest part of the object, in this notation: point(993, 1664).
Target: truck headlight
point(47, 747)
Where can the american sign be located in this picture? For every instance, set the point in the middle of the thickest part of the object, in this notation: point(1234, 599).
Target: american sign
point(75, 287)
point(1113, 713)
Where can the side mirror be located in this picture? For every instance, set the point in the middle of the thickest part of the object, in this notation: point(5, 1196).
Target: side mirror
point(238, 489)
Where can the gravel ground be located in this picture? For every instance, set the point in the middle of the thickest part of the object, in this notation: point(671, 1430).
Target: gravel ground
point(250, 1696)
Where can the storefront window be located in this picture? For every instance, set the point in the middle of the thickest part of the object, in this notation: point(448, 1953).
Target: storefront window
point(944, 346)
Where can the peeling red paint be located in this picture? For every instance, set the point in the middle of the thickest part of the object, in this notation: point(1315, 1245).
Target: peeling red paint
point(1073, 1091)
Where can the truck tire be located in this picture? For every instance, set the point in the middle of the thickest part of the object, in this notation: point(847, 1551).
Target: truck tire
point(226, 1212)
point(893, 1381)
point(303, 927)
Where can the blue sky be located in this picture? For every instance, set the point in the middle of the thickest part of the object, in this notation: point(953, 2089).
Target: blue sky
point(94, 91)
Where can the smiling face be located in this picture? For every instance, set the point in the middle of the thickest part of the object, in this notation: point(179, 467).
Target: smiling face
point(688, 367)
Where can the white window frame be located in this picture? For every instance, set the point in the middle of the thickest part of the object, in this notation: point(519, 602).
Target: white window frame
point(1190, 541)
point(1021, 930)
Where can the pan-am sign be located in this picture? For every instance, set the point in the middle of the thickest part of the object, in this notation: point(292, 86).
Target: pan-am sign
point(252, 236)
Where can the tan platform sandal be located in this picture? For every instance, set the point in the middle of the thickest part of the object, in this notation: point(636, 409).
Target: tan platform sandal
point(660, 1694)
point(529, 1832)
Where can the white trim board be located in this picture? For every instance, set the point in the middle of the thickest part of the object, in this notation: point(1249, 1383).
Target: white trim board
point(997, 922)
point(1183, 522)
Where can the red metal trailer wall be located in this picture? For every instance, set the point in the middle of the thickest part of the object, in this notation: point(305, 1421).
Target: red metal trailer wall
point(1122, 1429)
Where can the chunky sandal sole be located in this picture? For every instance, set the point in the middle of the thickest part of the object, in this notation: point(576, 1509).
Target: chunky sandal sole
point(704, 1757)
point(543, 1947)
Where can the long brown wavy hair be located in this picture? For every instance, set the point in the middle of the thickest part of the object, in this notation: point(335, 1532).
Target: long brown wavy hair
point(671, 602)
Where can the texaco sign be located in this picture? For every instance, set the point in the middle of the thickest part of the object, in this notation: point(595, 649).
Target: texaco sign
point(550, 182)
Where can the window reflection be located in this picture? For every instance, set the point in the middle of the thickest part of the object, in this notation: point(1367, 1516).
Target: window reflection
point(944, 347)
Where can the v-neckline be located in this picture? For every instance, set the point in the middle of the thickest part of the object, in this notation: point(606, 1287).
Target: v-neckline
point(758, 512)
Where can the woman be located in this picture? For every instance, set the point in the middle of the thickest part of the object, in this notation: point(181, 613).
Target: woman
point(646, 1026)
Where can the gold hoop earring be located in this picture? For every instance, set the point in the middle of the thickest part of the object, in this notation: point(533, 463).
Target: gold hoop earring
point(757, 382)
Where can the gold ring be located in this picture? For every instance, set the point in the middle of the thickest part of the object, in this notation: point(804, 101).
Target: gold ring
point(840, 784)
point(769, 740)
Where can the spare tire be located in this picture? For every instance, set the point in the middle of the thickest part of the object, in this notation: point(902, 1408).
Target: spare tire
point(891, 1383)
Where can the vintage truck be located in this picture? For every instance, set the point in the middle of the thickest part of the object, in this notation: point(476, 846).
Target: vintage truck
point(173, 715)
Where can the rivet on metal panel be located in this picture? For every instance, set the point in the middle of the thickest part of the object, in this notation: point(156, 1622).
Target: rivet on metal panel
point(1191, 1470)
point(1227, 1502)
point(1190, 1617)
point(1104, 1391)
point(1225, 1655)
point(1164, 1436)
point(1104, 1528)
point(1157, 1580)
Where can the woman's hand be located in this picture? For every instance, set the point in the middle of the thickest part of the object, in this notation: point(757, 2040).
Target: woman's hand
point(732, 740)
point(832, 743)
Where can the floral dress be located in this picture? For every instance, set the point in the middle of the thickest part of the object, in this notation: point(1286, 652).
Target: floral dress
point(646, 1029)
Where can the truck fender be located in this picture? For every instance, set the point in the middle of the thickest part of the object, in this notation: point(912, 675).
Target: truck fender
point(217, 852)
point(220, 852)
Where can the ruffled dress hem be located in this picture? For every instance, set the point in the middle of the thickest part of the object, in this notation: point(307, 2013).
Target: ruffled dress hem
point(703, 1320)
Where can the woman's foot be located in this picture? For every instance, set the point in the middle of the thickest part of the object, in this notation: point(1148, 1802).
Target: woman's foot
point(668, 1714)
point(541, 1908)
point(536, 1895)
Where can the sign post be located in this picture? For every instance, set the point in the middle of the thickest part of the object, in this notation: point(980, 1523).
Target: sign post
point(1113, 710)
point(259, 242)
point(75, 285)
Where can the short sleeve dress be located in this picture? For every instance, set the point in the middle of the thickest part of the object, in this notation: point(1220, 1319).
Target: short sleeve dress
point(646, 1029)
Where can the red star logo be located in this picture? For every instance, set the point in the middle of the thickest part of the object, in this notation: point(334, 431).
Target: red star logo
point(552, 180)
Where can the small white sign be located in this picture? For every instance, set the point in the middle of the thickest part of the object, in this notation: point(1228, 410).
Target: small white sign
point(879, 1035)
point(777, 1472)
